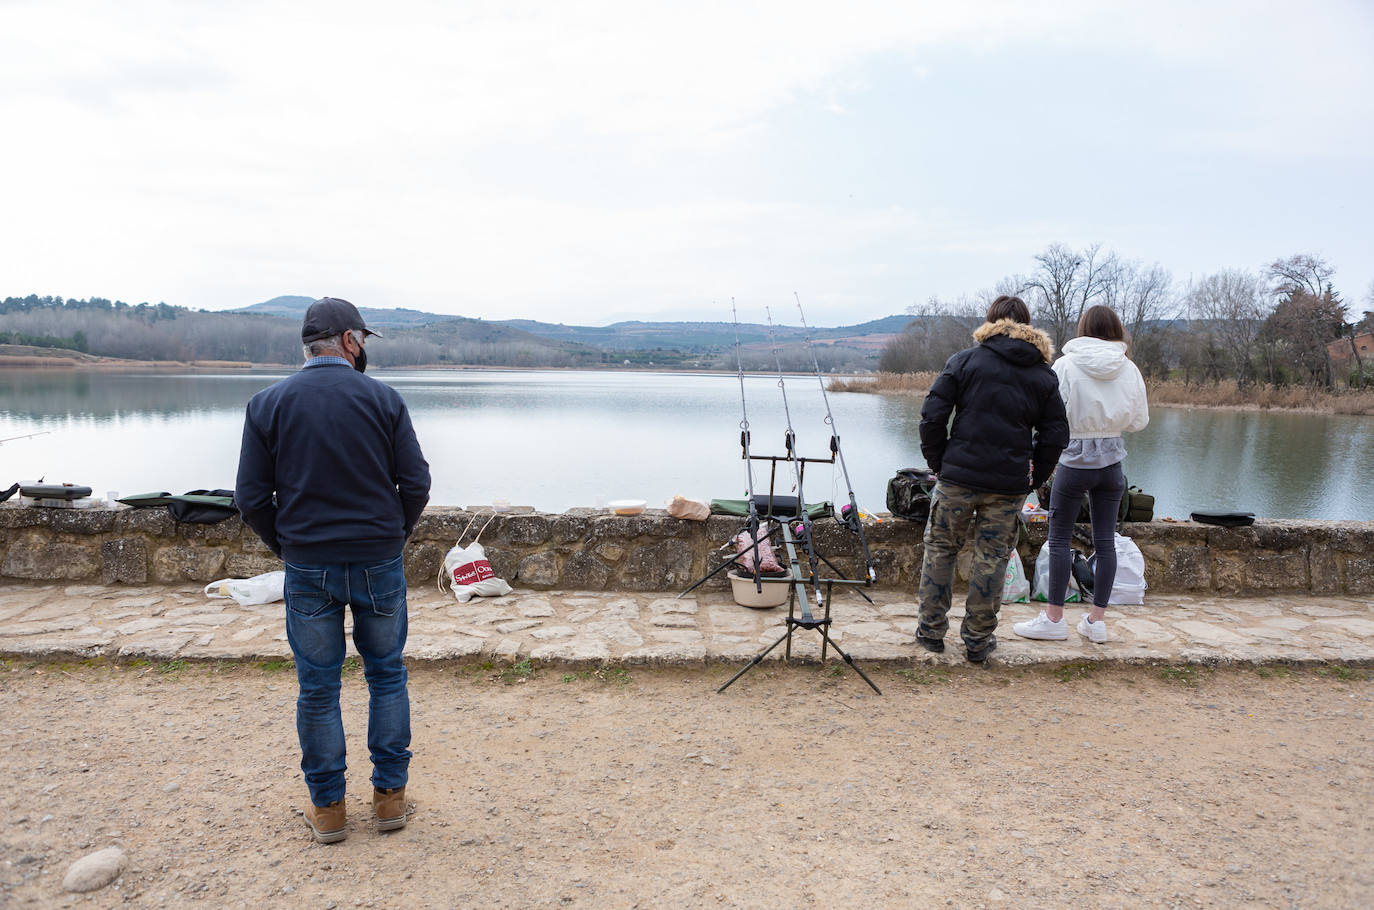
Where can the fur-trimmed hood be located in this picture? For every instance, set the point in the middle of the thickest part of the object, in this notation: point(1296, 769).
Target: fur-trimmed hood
point(1017, 331)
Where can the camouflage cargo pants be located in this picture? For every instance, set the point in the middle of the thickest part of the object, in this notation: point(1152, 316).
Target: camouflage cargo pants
point(955, 513)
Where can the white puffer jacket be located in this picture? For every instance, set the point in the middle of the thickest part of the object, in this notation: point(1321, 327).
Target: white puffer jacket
point(1103, 391)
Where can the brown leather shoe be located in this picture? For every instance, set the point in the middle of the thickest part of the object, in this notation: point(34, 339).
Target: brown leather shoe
point(328, 823)
point(390, 806)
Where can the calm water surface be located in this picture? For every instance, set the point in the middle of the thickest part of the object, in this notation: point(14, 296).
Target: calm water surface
point(556, 440)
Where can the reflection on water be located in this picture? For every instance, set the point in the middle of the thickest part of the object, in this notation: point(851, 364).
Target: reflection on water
point(557, 440)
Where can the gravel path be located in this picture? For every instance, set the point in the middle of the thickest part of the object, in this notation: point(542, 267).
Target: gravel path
point(1077, 785)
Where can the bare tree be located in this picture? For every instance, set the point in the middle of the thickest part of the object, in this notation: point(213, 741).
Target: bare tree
point(1143, 297)
point(1230, 310)
point(1301, 272)
point(937, 330)
point(1065, 284)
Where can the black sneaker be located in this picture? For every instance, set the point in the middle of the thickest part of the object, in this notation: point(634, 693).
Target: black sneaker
point(980, 655)
point(933, 645)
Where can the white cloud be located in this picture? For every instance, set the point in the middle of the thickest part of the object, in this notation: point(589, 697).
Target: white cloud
point(214, 155)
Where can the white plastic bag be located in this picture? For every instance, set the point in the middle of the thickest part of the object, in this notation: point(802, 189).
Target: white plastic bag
point(1015, 588)
point(470, 575)
point(1129, 584)
point(260, 589)
point(1042, 579)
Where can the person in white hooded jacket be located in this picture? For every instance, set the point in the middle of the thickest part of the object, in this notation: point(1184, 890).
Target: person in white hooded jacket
point(1104, 395)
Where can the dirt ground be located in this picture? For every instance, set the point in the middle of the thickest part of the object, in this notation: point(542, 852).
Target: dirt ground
point(1048, 787)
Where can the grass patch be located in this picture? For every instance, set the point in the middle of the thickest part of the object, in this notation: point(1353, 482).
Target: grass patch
point(171, 667)
point(1076, 670)
point(926, 676)
point(1186, 675)
point(573, 677)
point(352, 665)
point(519, 672)
point(275, 665)
point(617, 675)
point(1342, 673)
point(1279, 672)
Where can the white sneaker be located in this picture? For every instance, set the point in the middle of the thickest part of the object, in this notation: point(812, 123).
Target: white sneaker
point(1095, 632)
point(1042, 629)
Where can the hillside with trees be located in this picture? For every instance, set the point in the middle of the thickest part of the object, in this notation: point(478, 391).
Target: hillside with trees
point(269, 333)
point(1283, 325)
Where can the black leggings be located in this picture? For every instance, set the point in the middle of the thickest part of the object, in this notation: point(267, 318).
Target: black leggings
point(1104, 488)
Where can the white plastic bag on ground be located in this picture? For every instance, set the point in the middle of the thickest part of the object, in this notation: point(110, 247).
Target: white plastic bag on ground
point(1042, 579)
point(1015, 588)
point(1129, 585)
point(260, 589)
point(470, 575)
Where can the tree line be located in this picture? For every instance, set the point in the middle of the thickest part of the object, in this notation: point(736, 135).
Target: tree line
point(160, 332)
point(1274, 325)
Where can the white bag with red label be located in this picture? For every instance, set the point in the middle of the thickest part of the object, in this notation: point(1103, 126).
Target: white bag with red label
point(469, 574)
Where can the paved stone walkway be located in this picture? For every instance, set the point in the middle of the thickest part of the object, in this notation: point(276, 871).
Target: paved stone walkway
point(163, 623)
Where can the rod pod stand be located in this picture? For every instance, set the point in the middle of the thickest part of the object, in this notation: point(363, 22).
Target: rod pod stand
point(798, 580)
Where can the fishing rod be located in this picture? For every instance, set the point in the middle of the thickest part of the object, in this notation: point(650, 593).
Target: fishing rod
point(748, 464)
point(26, 436)
point(852, 520)
point(789, 442)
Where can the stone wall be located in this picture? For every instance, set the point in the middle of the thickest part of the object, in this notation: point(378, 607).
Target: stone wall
point(584, 549)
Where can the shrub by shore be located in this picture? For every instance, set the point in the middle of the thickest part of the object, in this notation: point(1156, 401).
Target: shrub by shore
point(1169, 392)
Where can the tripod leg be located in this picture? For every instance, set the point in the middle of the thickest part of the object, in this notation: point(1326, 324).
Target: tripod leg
point(787, 636)
point(849, 660)
point(708, 576)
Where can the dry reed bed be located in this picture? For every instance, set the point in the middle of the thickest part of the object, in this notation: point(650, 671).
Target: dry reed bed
point(1223, 394)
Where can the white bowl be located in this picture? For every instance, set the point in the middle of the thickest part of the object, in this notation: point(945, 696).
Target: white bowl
point(626, 506)
point(775, 591)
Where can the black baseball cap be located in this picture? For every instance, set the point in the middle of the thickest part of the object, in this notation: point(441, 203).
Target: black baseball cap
point(331, 316)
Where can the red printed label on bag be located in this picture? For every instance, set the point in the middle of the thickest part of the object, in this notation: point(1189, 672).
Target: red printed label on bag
point(472, 572)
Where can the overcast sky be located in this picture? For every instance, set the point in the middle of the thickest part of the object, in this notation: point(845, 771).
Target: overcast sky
point(585, 162)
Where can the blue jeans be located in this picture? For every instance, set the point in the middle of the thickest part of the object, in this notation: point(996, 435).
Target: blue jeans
point(315, 599)
point(1104, 488)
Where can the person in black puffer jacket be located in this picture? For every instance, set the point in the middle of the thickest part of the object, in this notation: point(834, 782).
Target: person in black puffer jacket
point(1008, 429)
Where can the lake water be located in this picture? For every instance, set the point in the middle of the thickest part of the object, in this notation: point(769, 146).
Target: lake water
point(555, 440)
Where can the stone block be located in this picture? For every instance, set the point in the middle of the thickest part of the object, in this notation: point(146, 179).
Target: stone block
point(1270, 571)
point(584, 572)
point(422, 561)
point(13, 515)
point(1187, 569)
point(665, 565)
point(37, 559)
point(1323, 570)
point(231, 528)
point(538, 570)
point(1273, 535)
point(523, 530)
point(1359, 573)
point(244, 565)
point(252, 543)
point(155, 520)
point(81, 521)
point(124, 561)
point(611, 552)
point(179, 563)
point(1228, 573)
point(505, 563)
point(570, 526)
point(441, 525)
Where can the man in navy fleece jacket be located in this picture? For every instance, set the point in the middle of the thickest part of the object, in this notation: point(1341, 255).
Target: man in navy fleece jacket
point(331, 477)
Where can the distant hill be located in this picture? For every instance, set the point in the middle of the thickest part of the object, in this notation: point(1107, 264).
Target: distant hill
point(704, 337)
point(295, 306)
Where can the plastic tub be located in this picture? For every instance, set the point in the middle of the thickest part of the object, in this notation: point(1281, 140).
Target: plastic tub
point(626, 506)
point(775, 591)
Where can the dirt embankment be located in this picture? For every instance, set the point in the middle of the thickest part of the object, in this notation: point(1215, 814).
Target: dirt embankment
point(1070, 786)
point(23, 356)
